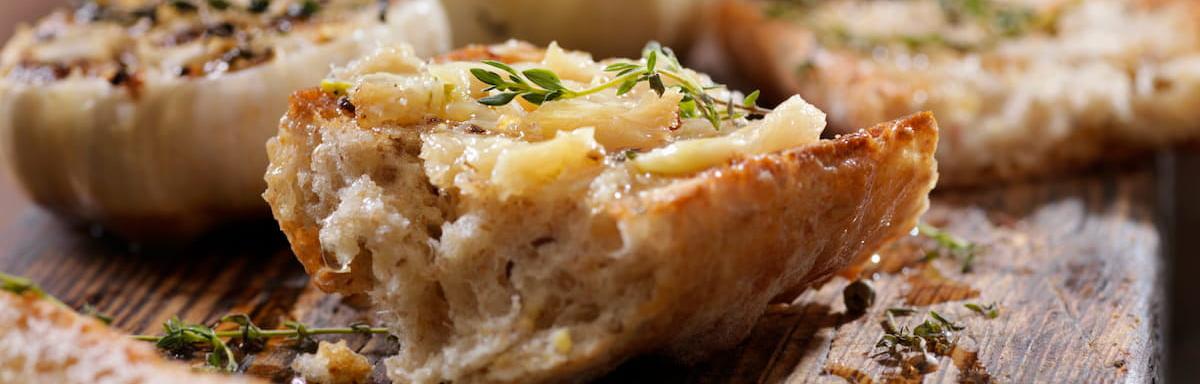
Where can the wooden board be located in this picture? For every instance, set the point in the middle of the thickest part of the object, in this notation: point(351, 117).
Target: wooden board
point(1073, 264)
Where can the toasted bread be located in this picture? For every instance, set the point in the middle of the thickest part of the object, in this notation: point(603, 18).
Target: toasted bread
point(526, 243)
point(42, 342)
point(1022, 89)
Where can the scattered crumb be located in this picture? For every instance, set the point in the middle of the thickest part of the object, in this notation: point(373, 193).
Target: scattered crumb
point(333, 364)
point(1119, 364)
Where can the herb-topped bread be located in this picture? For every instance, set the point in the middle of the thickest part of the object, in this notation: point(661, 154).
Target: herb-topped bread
point(149, 116)
point(542, 216)
point(1021, 88)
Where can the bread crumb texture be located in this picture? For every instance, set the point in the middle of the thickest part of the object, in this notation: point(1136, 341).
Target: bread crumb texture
point(526, 243)
point(41, 342)
point(334, 363)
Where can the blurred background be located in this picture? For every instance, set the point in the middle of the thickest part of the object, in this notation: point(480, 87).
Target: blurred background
point(12, 12)
point(486, 21)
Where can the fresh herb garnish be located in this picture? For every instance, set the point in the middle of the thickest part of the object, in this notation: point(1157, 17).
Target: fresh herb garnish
point(183, 339)
point(658, 68)
point(934, 335)
point(990, 311)
point(950, 245)
point(91, 311)
point(858, 296)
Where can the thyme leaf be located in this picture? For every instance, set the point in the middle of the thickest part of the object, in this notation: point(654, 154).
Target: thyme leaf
point(990, 311)
point(934, 335)
point(91, 311)
point(659, 68)
point(182, 339)
point(950, 245)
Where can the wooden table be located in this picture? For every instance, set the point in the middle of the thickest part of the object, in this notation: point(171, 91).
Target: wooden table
point(1073, 263)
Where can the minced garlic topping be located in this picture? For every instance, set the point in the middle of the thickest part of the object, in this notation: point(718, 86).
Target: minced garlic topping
point(520, 148)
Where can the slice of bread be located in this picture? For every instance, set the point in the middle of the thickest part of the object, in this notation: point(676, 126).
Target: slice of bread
point(149, 116)
point(1022, 89)
point(527, 243)
point(41, 342)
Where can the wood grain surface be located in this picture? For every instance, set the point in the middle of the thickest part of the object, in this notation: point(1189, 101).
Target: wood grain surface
point(1072, 263)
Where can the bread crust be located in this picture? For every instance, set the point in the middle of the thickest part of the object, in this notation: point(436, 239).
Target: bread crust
point(708, 252)
point(41, 342)
point(800, 216)
point(858, 89)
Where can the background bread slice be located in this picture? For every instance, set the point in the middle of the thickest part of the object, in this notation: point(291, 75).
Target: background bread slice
point(549, 287)
point(1120, 77)
point(41, 342)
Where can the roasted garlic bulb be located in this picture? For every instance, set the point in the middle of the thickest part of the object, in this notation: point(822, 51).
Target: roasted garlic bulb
point(150, 117)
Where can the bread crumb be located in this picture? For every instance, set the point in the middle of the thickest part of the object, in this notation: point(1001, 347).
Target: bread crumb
point(333, 364)
point(561, 339)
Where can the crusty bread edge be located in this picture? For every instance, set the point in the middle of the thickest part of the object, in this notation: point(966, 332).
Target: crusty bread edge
point(142, 362)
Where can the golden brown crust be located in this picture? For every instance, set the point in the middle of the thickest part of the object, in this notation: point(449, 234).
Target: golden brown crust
point(294, 141)
point(812, 210)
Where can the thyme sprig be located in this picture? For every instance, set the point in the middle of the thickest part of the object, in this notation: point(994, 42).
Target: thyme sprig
point(183, 339)
point(950, 245)
point(659, 68)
